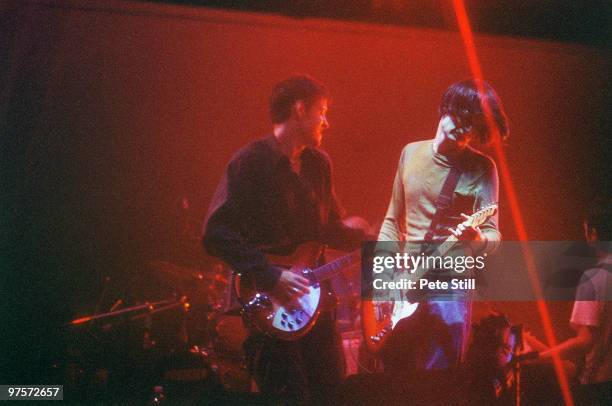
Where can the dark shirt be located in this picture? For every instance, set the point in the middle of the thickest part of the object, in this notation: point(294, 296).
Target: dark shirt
point(262, 206)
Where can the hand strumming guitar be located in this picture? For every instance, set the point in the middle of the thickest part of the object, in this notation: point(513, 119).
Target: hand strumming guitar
point(289, 286)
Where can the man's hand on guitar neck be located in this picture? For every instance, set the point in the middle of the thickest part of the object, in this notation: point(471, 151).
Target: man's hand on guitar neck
point(467, 232)
point(290, 285)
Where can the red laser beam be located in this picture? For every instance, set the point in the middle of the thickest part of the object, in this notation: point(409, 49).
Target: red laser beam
point(475, 68)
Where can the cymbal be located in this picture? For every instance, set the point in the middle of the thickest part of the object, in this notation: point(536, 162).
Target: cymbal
point(185, 273)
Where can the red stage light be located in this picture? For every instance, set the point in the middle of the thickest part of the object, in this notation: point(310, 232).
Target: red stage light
point(470, 50)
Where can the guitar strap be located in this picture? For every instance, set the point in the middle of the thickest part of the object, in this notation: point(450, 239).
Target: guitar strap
point(442, 203)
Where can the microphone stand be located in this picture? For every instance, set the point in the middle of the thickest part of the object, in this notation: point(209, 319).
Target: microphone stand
point(150, 307)
point(518, 347)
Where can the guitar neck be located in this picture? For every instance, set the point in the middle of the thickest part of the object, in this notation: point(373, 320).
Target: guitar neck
point(444, 247)
point(331, 269)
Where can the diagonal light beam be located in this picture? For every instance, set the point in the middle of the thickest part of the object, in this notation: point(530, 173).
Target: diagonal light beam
point(475, 68)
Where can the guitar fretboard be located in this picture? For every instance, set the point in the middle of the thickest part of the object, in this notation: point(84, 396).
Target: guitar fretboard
point(446, 245)
point(331, 269)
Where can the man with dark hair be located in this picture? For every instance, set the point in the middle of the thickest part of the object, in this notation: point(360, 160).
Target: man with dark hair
point(285, 93)
point(592, 314)
point(463, 102)
point(423, 169)
point(487, 360)
point(277, 193)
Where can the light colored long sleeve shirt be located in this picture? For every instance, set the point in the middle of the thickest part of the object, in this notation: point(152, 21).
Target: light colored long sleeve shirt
point(420, 176)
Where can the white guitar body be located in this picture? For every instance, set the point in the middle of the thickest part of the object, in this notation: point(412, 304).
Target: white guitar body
point(401, 310)
point(291, 320)
point(376, 332)
point(297, 314)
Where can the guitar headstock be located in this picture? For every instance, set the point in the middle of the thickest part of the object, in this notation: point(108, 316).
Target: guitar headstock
point(480, 216)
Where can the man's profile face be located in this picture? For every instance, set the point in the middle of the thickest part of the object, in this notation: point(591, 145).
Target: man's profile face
point(314, 122)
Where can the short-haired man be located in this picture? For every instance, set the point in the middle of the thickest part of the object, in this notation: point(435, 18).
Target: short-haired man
point(422, 171)
point(276, 193)
point(592, 314)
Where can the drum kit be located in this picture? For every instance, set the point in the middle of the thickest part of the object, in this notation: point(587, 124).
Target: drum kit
point(184, 345)
point(192, 339)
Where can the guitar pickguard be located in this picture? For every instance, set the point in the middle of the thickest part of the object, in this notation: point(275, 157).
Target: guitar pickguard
point(295, 315)
point(263, 312)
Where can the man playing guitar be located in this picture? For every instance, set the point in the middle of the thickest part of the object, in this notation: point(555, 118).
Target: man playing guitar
point(423, 169)
point(276, 194)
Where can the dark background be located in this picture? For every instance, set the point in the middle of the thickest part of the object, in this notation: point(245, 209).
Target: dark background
point(578, 21)
point(115, 113)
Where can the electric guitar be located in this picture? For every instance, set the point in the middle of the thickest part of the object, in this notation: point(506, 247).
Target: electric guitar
point(376, 329)
point(291, 320)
